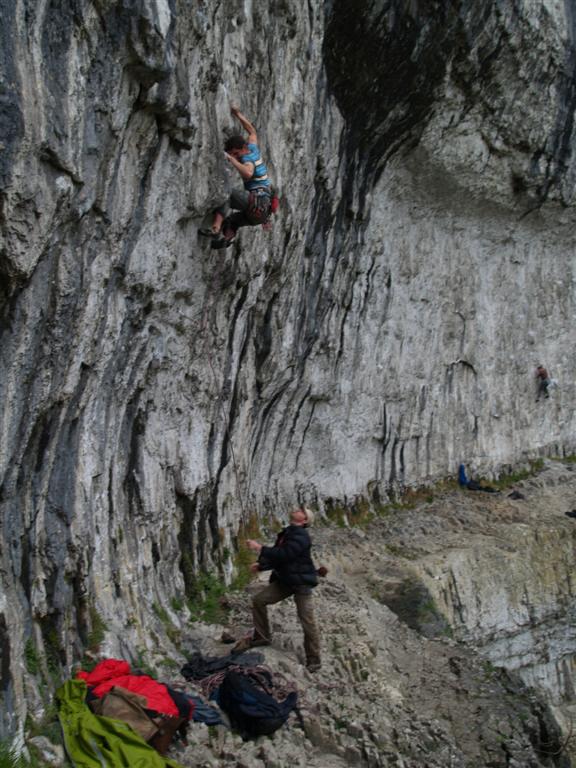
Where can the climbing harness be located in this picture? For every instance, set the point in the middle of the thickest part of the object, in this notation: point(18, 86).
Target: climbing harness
point(259, 206)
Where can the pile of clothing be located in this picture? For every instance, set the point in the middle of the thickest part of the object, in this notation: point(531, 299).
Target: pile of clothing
point(115, 716)
point(122, 716)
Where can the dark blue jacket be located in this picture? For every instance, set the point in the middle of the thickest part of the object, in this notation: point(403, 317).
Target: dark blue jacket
point(290, 559)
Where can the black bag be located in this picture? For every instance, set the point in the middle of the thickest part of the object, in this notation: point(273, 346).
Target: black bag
point(253, 711)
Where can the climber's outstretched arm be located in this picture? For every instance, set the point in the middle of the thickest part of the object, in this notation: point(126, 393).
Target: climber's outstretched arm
point(246, 124)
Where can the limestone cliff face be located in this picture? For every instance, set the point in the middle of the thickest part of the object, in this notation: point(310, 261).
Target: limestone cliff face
point(153, 393)
point(498, 575)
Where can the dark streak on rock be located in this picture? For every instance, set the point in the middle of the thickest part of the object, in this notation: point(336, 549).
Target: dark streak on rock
point(304, 433)
point(11, 118)
point(562, 141)
point(368, 287)
point(345, 314)
point(384, 63)
point(265, 413)
point(138, 215)
point(263, 342)
point(5, 651)
point(189, 550)
point(135, 426)
point(297, 412)
point(155, 554)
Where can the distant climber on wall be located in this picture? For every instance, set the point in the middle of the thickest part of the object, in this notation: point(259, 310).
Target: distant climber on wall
point(293, 574)
point(255, 202)
point(543, 381)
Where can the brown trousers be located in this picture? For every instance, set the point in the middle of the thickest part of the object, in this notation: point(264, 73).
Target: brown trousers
point(274, 593)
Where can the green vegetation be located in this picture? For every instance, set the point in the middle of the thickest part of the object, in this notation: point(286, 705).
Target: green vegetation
point(402, 551)
point(31, 657)
point(206, 591)
point(141, 663)
point(361, 511)
point(177, 604)
point(336, 647)
point(161, 613)
point(489, 670)
point(411, 601)
point(49, 726)
point(358, 514)
point(98, 630)
point(205, 601)
point(571, 459)
point(336, 513)
point(431, 621)
point(242, 563)
point(506, 480)
point(245, 557)
point(8, 759)
point(173, 632)
point(169, 663)
point(415, 497)
point(52, 650)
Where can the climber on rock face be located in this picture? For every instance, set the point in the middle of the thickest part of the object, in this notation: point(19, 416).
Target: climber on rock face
point(255, 202)
point(543, 380)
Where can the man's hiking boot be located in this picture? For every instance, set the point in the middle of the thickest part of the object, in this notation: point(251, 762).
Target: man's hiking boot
point(250, 641)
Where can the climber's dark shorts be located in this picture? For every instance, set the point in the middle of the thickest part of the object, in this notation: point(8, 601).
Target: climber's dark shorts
point(239, 202)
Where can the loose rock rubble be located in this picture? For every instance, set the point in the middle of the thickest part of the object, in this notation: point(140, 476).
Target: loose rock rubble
point(387, 695)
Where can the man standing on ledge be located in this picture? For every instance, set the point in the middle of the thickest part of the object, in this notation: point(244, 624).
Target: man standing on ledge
point(293, 573)
point(252, 204)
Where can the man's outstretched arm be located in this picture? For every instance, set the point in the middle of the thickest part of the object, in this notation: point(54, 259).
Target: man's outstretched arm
point(246, 124)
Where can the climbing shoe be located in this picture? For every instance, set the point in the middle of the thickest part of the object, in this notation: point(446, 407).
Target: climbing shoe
point(206, 232)
point(219, 243)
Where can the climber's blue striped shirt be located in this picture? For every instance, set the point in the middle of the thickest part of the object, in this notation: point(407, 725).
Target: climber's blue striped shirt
point(260, 175)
